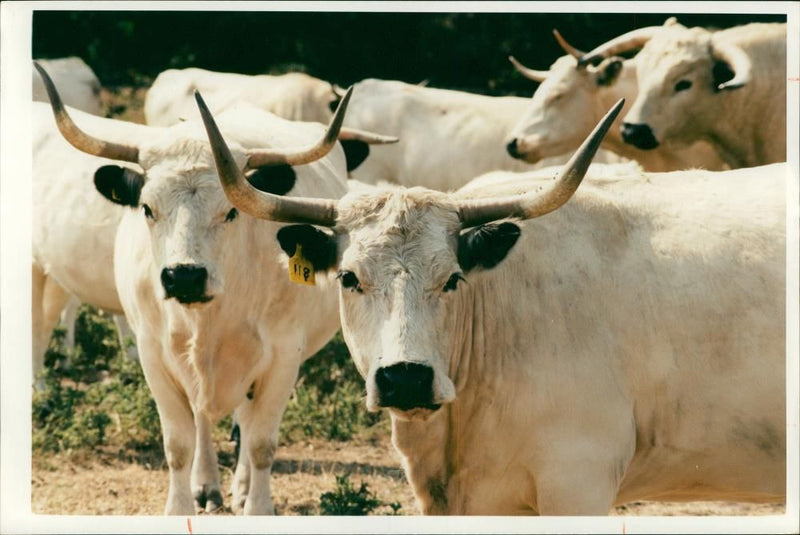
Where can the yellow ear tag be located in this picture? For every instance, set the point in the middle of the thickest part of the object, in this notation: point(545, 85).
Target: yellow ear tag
point(301, 270)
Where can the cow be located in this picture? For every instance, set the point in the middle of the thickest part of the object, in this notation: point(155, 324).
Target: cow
point(186, 265)
point(72, 231)
point(79, 85)
point(539, 356)
point(569, 101)
point(726, 87)
point(446, 137)
point(81, 90)
point(296, 96)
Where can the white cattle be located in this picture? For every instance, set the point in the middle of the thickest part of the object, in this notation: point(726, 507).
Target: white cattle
point(79, 86)
point(73, 229)
point(726, 87)
point(446, 137)
point(629, 345)
point(218, 324)
point(296, 96)
point(571, 98)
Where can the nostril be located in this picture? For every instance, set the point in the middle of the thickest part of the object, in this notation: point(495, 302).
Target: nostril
point(512, 148)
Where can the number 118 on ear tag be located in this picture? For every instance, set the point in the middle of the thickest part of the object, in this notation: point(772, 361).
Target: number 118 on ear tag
point(301, 270)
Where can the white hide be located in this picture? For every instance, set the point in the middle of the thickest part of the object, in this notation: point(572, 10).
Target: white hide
point(77, 84)
point(446, 137)
point(746, 126)
point(571, 100)
point(200, 360)
point(296, 96)
point(630, 347)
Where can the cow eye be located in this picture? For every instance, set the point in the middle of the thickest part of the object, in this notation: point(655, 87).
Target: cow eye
point(452, 282)
point(148, 213)
point(683, 85)
point(349, 281)
point(232, 214)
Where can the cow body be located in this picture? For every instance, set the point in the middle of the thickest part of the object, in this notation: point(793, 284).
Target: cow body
point(80, 86)
point(571, 99)
point(296, 96)
point(684, 95)
point(446, 137)
point(628, 346)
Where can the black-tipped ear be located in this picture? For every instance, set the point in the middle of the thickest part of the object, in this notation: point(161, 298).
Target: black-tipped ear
point(720, 74)
point(275, 179)
point(608, 71)
point(355, 152)
point(319, 247)
point(486, 246)
point(119, 185)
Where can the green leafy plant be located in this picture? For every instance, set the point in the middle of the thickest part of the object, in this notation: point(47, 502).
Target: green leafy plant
point(346, 500)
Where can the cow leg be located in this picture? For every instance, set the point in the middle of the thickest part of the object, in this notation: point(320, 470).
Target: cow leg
point(177, 426)
point(241, 477)
point(205, 471)
point(259, 420)
point(47, 300)
point(580, 475)
point(68, 317)
point(124, 332)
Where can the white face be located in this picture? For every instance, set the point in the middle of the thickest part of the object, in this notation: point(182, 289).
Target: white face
point(675, 87)
point(567, 105)
point(190, 222)
point(398, 277)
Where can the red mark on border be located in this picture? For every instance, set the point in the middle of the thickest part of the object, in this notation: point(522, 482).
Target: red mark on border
point(189, 524)
point(623, 528)
point(794, 79)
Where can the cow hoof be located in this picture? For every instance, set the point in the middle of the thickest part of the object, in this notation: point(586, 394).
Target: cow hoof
point(208, 499)
point(237, 506)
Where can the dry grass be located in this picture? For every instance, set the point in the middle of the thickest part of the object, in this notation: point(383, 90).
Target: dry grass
point(109, 485)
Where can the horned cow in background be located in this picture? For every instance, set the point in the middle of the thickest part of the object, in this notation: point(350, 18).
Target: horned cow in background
point(726, 87)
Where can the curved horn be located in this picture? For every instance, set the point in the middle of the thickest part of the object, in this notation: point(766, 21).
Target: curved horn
point(738, 61)
point(623, 43)
point(303, 155)
point(369, 138)
point(530, 74)
point(535, 204)
point(257, 203)
point(568, 48)
point(77, 137)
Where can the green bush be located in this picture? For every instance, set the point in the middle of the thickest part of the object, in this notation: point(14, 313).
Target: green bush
point(328, 401)
point(90, 387)
point(346, 500)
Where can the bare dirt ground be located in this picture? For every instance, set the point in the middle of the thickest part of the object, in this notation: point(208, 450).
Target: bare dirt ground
point(106, 485)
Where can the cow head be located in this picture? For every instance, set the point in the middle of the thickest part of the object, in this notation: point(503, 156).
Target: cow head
point(681, 73)
point(569, 101)
point(404, 258)
point(192, 226)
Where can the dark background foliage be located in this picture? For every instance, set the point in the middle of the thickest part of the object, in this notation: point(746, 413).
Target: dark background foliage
point(454, 50)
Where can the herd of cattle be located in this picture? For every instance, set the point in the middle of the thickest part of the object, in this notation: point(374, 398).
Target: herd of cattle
point(629, 345)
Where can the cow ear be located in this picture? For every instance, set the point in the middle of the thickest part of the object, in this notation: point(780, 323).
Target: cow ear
point(487, 245)
point(275, 179)
point(319, 247)
point(720, 74)
point(355, 152)
point(119, 185)
point(608, 71)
